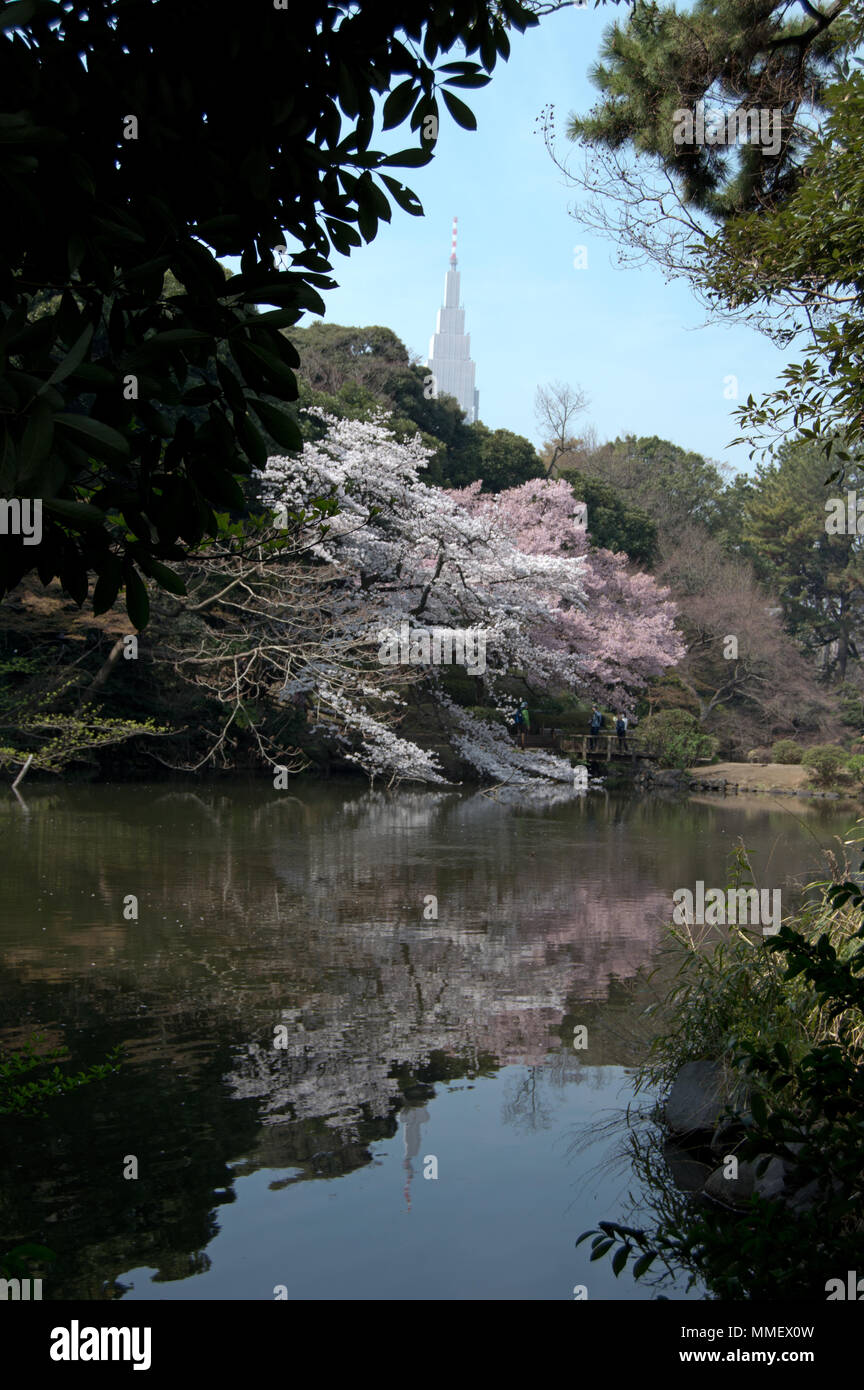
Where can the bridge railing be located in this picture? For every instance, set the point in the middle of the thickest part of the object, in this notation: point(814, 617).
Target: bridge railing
point(602, 746)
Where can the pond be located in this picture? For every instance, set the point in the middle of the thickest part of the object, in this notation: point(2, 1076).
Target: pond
point(348, 1022)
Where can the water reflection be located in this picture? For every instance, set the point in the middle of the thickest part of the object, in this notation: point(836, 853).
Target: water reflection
point(316, 974)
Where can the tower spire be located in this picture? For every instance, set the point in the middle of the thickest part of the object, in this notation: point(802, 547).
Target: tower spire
point(450, 348)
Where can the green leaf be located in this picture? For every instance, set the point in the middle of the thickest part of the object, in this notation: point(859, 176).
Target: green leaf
point(231, 387)
point(461, 67)
point(74, 577)
point(29, 1251)
point(279, 318)
point(280, 426)
point(166, 578)
point(619, 1259)
point(79, 512)
point(176, 336)
point(201, 395)
point(289, 352)
point(251, 441)
point(137, 601)
point(36, 443)
point(74, 356)
point(477, 80)
point(644, 1263)
point(367, 221)
point(405, 197)
point(601, 1248)
point(347, 91)
point(410, 159)
point(90, 374)
point(107, 585)
point(399, 103)
point(342, 235)
point(221, 486)
point(269, 292)
point(276, 369)
point(140, 272)
point(104, 442)
point(226, 224)
point(462, 114)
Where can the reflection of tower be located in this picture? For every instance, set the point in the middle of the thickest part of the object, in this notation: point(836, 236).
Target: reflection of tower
point(414, 1119)
point(450, 346)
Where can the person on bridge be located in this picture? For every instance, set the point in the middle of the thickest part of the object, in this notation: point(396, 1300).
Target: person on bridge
point(522, 721)
point(596, 725)
point(621, 731)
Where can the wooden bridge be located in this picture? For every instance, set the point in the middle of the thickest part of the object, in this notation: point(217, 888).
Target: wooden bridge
point(598, 748)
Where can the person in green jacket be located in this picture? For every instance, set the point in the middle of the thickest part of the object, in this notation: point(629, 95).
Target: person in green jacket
point(522, 720)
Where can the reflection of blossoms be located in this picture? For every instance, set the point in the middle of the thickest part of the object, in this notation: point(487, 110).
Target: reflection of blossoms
point(400, 555)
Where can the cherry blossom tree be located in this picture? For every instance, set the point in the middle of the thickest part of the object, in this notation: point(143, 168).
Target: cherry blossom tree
point(625, 632)
point(397, 553)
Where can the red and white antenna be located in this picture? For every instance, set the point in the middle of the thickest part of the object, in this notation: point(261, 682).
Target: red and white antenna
point(453, 244)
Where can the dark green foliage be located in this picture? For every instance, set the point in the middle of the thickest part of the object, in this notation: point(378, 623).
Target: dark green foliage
point(786, 750)
point(500, 458)
point(730, 55)
point(818, 575)
point(355, 371)
point(48, 713)
point(826, 763)
point(20, 1097)
point(810, 250)
point(672, 484)
point(851, 706)
point(786, 248)
point(125, 156)
point(25, 1261)
point(613, 524)
point(674, 738)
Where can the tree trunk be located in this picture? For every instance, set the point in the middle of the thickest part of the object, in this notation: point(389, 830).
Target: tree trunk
point(107, 666)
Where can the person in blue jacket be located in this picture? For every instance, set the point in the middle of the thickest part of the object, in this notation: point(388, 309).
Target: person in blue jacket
point(596, 725)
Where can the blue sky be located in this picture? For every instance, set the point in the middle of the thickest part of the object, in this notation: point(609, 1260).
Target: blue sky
point(634, 343)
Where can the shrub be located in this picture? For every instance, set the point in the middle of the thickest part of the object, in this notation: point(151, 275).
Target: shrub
point(674, 738)
point(786, 750)
point(855, 768)
point(785, 1017)
point(826, 763)
point(851, 704)
point(759, 755)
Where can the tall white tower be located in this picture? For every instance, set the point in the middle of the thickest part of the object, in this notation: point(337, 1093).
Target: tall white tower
point(450, 346)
